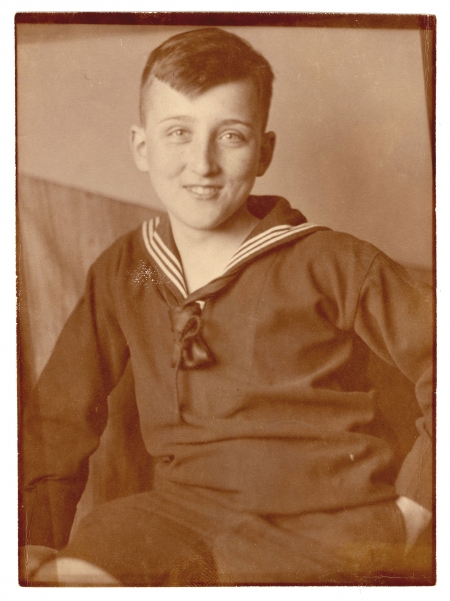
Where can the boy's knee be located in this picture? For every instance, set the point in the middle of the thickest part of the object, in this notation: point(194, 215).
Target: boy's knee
point(67, 571)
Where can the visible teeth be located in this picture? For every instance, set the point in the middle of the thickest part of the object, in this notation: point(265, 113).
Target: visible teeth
point(205, 191)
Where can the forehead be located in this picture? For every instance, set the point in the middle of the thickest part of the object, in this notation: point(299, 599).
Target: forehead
point(232, 99)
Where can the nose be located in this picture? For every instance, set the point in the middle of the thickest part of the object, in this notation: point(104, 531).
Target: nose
point(203, 159)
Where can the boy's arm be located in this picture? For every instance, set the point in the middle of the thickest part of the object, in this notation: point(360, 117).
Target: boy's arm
point(395, 317)
point(67, 412)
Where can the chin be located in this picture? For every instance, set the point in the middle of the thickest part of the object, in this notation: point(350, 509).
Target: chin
point(205, 223)
point(205, 227)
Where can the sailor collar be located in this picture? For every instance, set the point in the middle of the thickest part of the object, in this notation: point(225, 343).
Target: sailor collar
point(279, 225)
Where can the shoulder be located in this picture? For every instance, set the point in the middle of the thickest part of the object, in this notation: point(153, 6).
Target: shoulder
point(120, 266)
point(333, 264)
point(122, 253)
point(337, 242)
point(340, 261)
point(329, 249)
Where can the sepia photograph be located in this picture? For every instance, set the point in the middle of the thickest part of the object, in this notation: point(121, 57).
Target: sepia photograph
point(226, 299)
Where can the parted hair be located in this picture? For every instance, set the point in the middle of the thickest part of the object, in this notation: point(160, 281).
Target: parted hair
point(198, 60)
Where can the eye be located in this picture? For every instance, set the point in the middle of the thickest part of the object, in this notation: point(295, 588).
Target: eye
point(178, 135)
point(232, 136)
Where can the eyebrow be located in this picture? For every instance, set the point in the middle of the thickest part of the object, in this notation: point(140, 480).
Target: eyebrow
point(175, 117)
point(238, 122)
point(224, 122)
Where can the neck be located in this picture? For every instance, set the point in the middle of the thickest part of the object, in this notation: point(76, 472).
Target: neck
point(205, 254)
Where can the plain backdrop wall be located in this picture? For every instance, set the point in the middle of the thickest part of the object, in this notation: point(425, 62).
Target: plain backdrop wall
point(349, 109)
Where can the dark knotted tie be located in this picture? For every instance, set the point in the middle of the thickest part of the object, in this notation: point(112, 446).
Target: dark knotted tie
point(190, 350)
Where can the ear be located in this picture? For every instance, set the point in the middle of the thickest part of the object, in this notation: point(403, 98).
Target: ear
point(266, 152)
point(139, 147)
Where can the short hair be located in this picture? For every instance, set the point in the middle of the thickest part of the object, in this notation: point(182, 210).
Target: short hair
point(198, 60)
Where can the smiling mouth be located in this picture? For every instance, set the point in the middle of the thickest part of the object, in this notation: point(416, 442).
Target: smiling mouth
point(203, 192)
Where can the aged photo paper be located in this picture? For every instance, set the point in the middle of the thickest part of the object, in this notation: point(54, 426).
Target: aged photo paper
point(273, 438)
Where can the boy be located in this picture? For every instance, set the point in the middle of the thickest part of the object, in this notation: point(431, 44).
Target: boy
point(249, 331)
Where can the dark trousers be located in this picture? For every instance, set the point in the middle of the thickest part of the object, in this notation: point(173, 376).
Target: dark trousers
point(180, 537)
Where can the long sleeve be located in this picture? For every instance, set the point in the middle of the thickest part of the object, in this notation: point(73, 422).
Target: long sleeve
point(65, 416)
point(395, 317)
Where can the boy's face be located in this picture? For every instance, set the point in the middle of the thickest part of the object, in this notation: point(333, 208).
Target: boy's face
point(203, 153)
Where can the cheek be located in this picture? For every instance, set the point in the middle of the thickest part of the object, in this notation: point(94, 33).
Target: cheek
point(240, 165)
point(165, 162)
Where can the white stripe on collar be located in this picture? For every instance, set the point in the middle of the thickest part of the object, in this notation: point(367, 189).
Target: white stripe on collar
point(164, 258)
point(255, 239)
point(160, 249)
point(267, 238)
point(158, 239)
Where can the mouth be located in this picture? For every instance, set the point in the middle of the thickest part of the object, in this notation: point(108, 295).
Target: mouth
point(203, 192)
